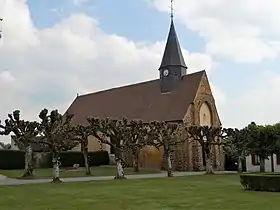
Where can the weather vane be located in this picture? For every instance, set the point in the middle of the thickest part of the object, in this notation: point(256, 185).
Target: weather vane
point(1, 19)
point(172, 9)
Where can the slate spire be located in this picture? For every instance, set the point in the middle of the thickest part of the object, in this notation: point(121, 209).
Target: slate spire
point(172, 55)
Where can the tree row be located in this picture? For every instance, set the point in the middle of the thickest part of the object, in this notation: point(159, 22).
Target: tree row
point(55, 133)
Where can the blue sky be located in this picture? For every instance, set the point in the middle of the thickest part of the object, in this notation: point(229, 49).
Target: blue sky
point(66, 52)
point(146, 24)
point(150, 25)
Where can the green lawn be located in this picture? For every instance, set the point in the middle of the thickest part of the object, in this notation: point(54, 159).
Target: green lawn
point(192, 192)
point(96, 171)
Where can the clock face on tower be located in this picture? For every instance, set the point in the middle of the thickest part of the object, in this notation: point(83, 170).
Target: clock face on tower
point(165, 72)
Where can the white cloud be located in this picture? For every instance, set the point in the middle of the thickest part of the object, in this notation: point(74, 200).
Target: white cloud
point(6, 78)
point(51, 65)
point(244, 31)
point(79, 2)
point(259, 102)
point(241, 30)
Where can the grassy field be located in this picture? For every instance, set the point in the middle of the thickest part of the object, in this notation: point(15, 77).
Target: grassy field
point(96, 171)
point(203, 192)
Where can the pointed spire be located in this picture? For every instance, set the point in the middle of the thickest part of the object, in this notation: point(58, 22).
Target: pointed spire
point(172, 54)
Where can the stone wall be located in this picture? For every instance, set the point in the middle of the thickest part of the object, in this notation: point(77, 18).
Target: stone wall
point(204, 100)
point(188, 155)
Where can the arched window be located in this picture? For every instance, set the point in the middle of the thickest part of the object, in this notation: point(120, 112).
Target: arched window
point(205, 115)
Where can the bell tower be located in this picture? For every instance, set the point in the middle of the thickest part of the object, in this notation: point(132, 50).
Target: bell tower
point(173, 66)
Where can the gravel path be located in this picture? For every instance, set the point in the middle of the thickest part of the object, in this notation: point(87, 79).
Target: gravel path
point(8, 181)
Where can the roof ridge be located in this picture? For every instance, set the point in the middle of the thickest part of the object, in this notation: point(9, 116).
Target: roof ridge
point(135, 84)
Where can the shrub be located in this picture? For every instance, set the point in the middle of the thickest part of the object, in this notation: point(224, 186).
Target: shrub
point(98, 158)
point(11, 159)
point(261, 182)
point(69, 158)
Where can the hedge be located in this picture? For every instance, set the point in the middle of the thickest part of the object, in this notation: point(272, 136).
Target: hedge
point(11, 159)
point(97, 158)
point(14, 159)
point(261, 182)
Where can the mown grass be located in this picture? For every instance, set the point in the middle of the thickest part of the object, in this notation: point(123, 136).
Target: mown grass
point(200, 192)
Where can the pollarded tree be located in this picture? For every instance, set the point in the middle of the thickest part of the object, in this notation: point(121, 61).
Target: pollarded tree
point(263, 141)
point(236, 144)
point(5, 146)
point(163, 134)
point(56, 131)
point(207, 136)
point(135, 139)
point(111, 132)
point(2, 129)
point(25, 133)
point(81, 134)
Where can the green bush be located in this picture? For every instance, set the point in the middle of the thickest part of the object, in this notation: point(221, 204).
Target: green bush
point(11, 159)
point(14, 159)
point(69, 158)
point(261, 182)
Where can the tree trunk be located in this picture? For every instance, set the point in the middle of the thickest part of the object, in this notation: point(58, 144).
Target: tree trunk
point(239, 162)
point(169, 165)
point(203, 156)
point(262, 164)
point(209, 167)
point(56, 169)
point(28, 169)
point(85, 154)
point(120, 172)
point(272, 163)
point(136, 161)
point(88, 172)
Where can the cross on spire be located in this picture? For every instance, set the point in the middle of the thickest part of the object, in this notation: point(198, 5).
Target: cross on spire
point(172, 9)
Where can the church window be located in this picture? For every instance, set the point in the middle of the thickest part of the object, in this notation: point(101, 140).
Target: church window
point(204, 117)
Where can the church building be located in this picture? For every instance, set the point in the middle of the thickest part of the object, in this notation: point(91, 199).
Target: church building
point(175, 96)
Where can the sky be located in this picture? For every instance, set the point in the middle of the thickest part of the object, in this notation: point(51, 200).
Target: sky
point(51, 50)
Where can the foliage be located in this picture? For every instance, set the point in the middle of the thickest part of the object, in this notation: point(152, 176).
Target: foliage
point(81, 134)
point(261, 182)
point(109, 131)
point(56, 131)
point(207, 136)
point(236, 143)
point(5, 146)
point(163, 134)
point(2, 129)
point(113, 133)
point(24, 134)
point(264, 140)
point(12, 159)
point(136, 137)
point(24, 131)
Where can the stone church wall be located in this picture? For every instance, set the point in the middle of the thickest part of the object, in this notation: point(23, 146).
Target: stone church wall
point(188, 155)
